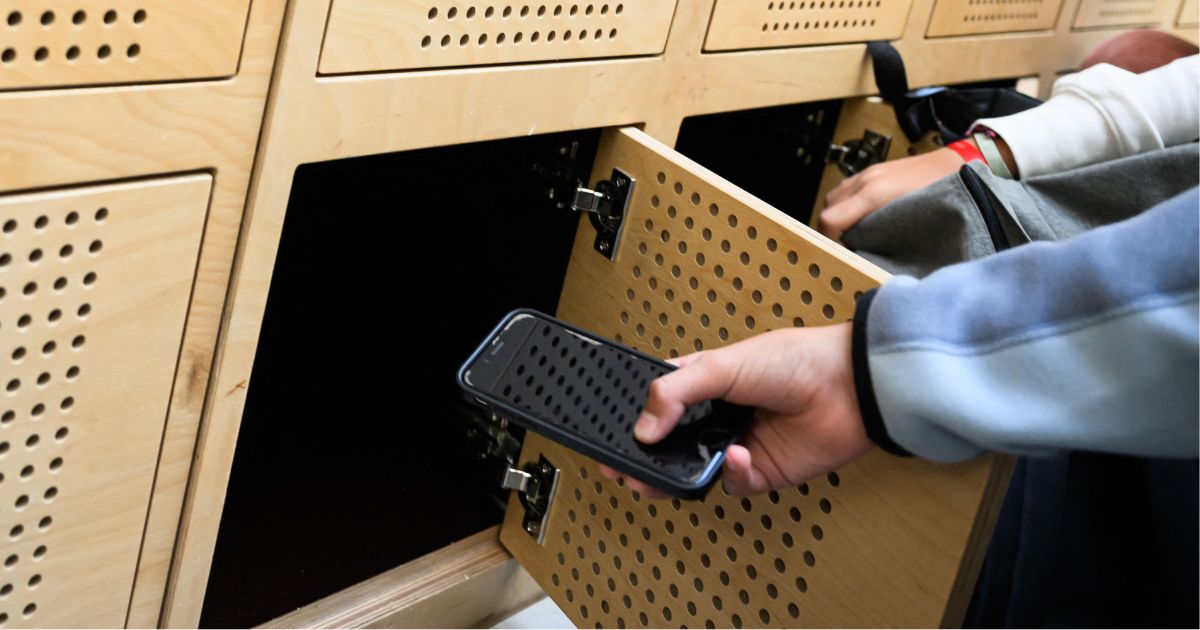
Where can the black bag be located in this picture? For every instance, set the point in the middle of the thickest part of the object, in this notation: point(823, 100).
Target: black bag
point(949, 111)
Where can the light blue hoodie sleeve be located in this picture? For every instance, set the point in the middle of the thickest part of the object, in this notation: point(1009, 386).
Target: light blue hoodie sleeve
point(1086, 344)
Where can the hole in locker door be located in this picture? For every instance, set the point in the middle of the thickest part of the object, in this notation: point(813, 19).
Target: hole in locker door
point(352, 456)
point(776, 153)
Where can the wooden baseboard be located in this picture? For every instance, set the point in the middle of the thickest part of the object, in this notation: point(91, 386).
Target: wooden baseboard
point(469, 584)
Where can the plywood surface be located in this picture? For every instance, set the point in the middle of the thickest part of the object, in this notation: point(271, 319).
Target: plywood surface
point(81, 42)
point(745, 24)
point(1189, 15)
point(470, 583)
point(967, 17)
point(67, 138)
point(1115, 13)
point(372, 35)
point(94, 285)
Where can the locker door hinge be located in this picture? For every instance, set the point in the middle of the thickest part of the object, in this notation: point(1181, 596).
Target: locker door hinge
point(856, 155)
point(535, 485)
point(606, 205)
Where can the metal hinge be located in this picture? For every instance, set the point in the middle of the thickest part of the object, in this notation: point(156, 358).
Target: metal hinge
point(606, 205)
point(856, 155)
point(535, 485)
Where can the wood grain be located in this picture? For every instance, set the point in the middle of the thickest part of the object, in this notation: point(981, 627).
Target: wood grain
point(749, 24)
point(468, 584)
point(88, 42)
point(95, 283)
point(1116, 13)
point(65, 138)
point(974, 17)
point(374, 35)
point(1189, 16)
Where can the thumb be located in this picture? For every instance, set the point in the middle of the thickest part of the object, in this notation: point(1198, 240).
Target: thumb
point(705, 377)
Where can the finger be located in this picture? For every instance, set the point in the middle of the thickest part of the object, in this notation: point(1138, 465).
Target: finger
point(741, 478)
point(848, 187)
point(836, 220)
point(703, 379)
point(686, 359)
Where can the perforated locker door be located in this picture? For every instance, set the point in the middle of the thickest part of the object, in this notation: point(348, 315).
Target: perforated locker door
point(375, 35)
point(1116, 13)
point(94, 286)
point(748, 24)
point(54, 43)
point(885, 541)
point(973, 17)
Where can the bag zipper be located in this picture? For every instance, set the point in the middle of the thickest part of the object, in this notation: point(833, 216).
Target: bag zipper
point(983, 202)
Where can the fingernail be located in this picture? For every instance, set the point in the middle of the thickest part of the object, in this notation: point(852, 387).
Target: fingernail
point(644, 429)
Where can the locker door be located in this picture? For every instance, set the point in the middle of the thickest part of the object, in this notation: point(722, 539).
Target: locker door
point(885, 541)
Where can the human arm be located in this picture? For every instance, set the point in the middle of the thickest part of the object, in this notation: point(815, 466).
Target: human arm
point(1088, 344)
point(1093, 116)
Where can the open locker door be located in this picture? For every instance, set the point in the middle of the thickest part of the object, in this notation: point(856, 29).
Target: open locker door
point(885, 541)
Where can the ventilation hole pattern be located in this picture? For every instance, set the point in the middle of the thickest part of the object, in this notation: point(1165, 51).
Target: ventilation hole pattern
point(740, 25)
point(42, 46)
point(55, 43)
point(1120, 12)
point(864, 6)
point(595, 392)
point(428, 34)
point(991, 16)
point(621, 560)
point(47, 279)
point(532, 25)
point(697, 269)
point(708, 273)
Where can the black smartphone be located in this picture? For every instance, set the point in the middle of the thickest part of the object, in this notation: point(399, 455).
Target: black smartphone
point(586, 392)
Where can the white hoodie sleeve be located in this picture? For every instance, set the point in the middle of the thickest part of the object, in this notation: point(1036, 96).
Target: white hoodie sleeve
point(1103, 113)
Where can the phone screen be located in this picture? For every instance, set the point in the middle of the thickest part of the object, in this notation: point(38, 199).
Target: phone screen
point(587, 392)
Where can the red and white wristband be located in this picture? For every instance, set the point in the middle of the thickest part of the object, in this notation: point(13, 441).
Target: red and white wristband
point(967, 151)
point(983, 150)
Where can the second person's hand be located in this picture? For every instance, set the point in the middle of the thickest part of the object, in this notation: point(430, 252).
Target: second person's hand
point(864, 193)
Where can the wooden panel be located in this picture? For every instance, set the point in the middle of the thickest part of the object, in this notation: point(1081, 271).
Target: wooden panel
point(366, 35)
point(896, 543)
point(968, 17)
point(472, 583)
point(1189, 13)
point(742, 24)
point(49, 43)
point(1101, 13)
point(94, 284)
point(703, 264)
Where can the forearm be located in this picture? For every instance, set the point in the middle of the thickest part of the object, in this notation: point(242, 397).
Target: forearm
point(1086, 344)
point(1103, 113)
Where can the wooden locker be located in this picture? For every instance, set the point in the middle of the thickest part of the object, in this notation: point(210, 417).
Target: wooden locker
point(703, 264)
point(94, 286)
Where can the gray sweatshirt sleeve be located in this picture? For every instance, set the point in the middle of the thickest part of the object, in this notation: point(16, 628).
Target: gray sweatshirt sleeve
point(1086, 344)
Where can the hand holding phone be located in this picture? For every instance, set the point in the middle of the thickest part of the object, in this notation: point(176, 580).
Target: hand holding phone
point(586, 392)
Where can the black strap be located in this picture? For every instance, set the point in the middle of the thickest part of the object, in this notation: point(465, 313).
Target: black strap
point(890, 77)
point(892, 82)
